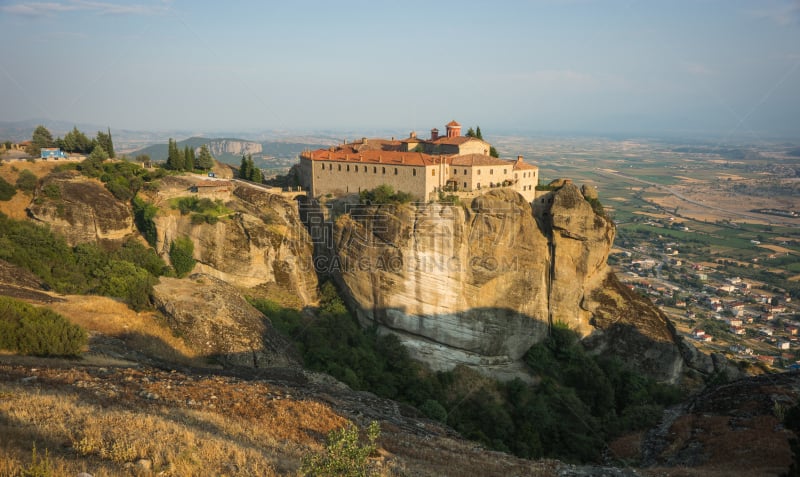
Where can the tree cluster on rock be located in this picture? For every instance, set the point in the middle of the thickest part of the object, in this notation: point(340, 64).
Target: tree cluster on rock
point(74, 141)
point(248, 170)
point(186, 160)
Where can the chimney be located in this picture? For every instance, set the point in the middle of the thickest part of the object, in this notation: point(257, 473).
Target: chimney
point(519, 158)
point(434, 134)
point(379, 159)
point(363, 140)
point(413, 134)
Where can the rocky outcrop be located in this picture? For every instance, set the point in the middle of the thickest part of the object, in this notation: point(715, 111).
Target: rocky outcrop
point(80, 209)
point(479, 284)
point(215, 319)
point(261, 243)
point(456, 284)
point(580, 242)
point(742, 424)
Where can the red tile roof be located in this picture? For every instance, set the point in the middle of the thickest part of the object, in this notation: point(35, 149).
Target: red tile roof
point(523, 166)
point(458, 140)
point(478, 160)
point(374, 157)
point(349, 155)
point(453, 123)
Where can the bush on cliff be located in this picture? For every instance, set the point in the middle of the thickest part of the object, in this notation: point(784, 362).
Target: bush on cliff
point(38, 331)
point(384, 194)
point(7, 190)
point(85, 268)
point(181, 252)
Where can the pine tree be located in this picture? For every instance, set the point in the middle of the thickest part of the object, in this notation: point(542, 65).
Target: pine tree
point(244, 169)
point(256, 176)
point(188, 158)
point(204, 159)
point(470, 132)
point(41, 138)
point(172, 155)
point(181, 162)
point(110, 148)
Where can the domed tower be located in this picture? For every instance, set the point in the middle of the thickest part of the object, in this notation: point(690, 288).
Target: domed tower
point(453, 129)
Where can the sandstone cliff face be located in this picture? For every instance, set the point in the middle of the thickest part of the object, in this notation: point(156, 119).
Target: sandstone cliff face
point(214, 318)
point(81, 209)
point(237, 148)
point(457, 285)
point(262, 243)
point(480, 284)
point(581, 241)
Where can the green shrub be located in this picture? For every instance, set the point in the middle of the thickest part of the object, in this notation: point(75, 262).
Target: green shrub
point(181, 252)
point(344, 455)
point(38, 331)
point(128, 282)
point(27, 181)
point(143, 214)
point(7, 190)
point(384, 194)
point(434, 410)
point(52, 191)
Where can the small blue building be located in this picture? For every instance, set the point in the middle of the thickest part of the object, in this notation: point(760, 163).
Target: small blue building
point(53, 153)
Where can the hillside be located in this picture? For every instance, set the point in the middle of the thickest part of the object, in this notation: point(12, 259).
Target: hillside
point(470, 326)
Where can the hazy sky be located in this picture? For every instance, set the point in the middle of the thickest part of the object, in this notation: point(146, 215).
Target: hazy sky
point(728, 67)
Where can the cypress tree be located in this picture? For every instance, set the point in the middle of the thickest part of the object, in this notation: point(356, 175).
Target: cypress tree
point(172, 155)
point(244, 172)
point(478, 133)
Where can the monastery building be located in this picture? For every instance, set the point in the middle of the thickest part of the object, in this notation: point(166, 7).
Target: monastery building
point(422, 167)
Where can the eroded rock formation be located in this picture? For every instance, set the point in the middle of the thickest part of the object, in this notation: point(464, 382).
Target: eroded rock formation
point(479, 284)
point(214, 318)
point(81, 209)
point(260, 243)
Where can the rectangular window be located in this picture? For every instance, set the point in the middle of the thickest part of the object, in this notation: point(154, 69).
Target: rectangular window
point(465, 172)
point(455, 172)
point(491, 171)
point(413, 172)
point(383, 170)
point(348, 168)
point(340, 167)
point(395, 171)
point(374, 169)
point(365, 168)
point(433, 172)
